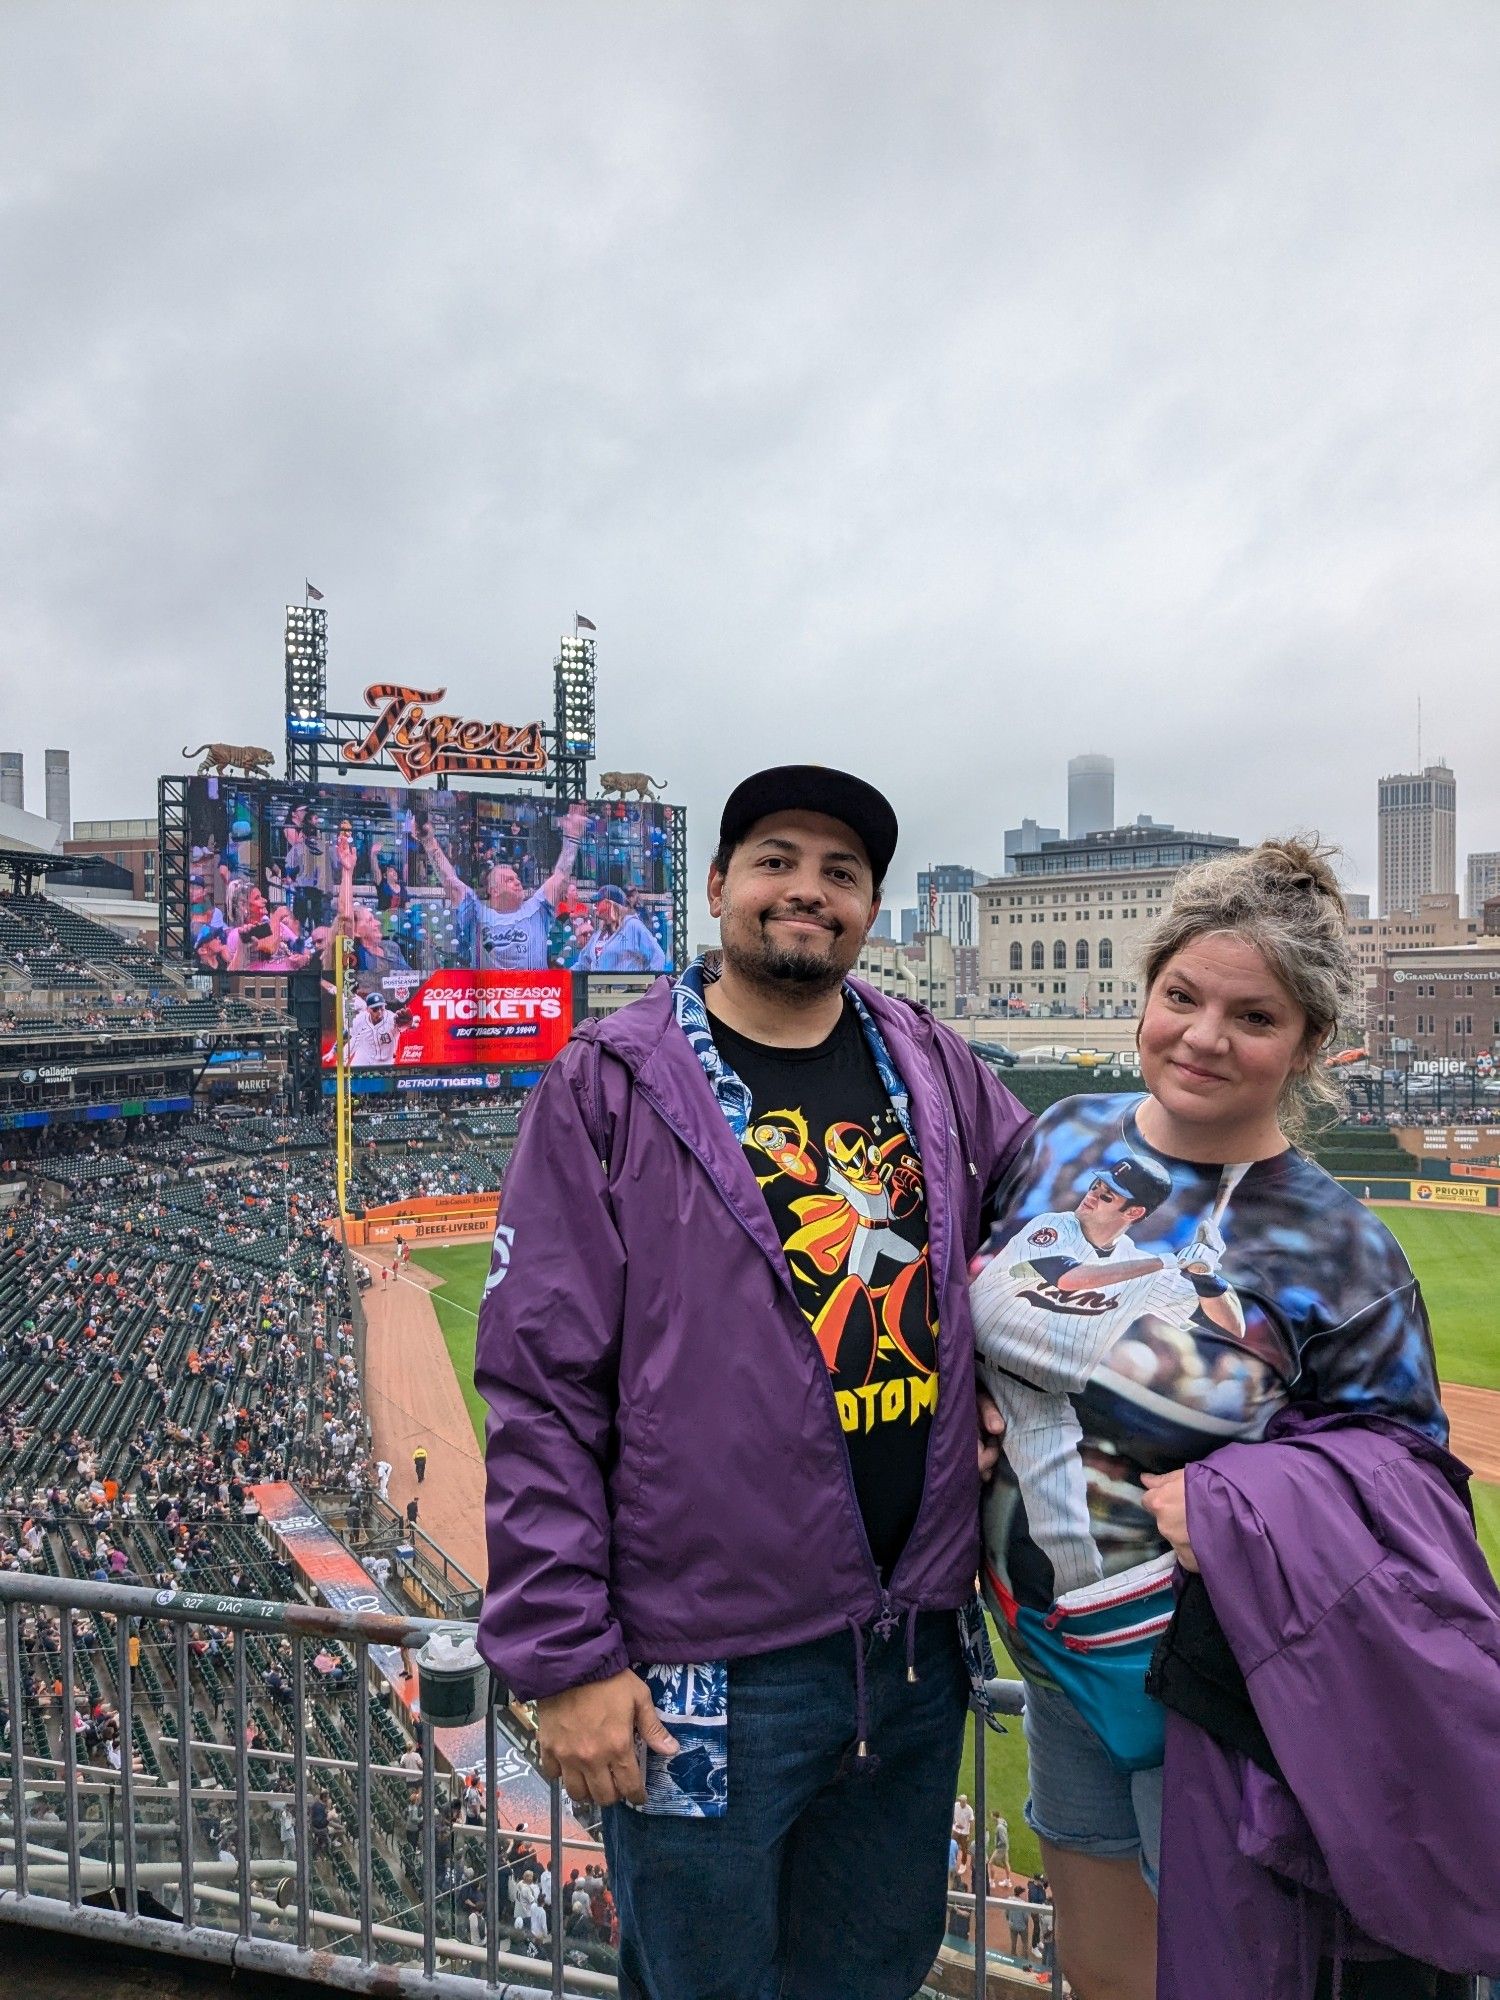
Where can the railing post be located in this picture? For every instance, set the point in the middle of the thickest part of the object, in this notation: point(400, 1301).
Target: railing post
point(979, 1874)
point(362, 1797)
point(429, 1852)
point(70, 1754)
point(242, 1780)
point(554, 1862)
point(17, 1743)
point(491, 1845)
point(299, 1792)
point(184, 1775)
point(127, 1757)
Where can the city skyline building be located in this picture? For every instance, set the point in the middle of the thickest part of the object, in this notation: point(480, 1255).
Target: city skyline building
point(1027, 838)
point(1060, 934)
point(1481, 881)
point(948, 906)
point(1091, 795)
point(1417, 819)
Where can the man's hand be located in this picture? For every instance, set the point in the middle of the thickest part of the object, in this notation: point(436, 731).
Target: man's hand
point(575, 823)
point(586, 1736)
point(991, 1432)
point(1166, 1503)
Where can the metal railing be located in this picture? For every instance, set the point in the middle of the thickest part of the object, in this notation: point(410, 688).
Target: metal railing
point(173, 1849)
point(120, 1854)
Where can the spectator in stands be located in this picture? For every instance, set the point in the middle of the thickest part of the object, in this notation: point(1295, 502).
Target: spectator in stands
point(1018, 1923)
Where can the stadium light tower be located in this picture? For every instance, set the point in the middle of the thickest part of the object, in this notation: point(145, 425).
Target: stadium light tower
point(306, 689)
point(573, 736)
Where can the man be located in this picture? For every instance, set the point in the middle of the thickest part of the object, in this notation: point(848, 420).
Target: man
point(1000, 1843)
point(619, 942)
point(963, 1826)
point(371, 1035)
point(727, 1350)
point(1047, 1308)
point(507, 932)
point(419, 1463)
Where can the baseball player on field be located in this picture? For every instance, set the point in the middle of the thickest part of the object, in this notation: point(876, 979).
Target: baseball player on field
point(1048, 1307)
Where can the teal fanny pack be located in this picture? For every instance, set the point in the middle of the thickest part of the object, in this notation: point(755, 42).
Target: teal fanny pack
point(1096, 1644)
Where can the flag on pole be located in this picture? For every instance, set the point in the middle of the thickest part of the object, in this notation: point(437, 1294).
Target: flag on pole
point(312, 594)
point(582, 624)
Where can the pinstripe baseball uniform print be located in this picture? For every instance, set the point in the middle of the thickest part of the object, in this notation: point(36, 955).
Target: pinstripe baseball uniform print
point(1037, 1344)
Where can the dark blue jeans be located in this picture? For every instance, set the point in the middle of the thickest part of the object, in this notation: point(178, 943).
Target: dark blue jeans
point(821, 1881)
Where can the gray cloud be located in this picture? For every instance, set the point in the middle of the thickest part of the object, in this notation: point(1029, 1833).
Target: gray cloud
point(935, 389)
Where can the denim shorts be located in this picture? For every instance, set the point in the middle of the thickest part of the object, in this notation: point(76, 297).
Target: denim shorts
point(1079, 1800)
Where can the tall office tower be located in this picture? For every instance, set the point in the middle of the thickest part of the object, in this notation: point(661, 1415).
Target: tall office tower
point(1418, 848)
point(946, 902)
point(1481, 881)
point(59, 791)
point(1091, 795)
point(881, 928)
point(1027, 838)
point(13, 779)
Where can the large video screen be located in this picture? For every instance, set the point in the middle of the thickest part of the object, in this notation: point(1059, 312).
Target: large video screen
point(425, 882)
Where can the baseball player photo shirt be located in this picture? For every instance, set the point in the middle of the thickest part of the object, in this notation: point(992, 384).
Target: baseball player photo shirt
point(1132, 1313)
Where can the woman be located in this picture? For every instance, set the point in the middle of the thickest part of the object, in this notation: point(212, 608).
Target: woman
point(1167, 1272)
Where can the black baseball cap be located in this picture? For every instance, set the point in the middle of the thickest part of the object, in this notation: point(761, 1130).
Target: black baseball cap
point(1142, 1182)
point(814, 788)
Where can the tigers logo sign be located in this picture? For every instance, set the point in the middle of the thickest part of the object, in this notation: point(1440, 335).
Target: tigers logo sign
point(421, 745)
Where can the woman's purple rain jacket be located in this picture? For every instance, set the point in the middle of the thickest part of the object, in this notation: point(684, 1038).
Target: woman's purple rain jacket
point(1341, 1562)
point(667, 1478)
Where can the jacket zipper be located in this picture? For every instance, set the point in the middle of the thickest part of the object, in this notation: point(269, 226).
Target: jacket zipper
point(886, 1618)
point(1101, 1641)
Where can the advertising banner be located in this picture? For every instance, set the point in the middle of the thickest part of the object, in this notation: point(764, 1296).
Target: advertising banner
point(452, 1017)
point(1448, 1194)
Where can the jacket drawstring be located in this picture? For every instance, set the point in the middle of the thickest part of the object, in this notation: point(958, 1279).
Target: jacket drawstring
point(864, 1763)
point(862, 1760)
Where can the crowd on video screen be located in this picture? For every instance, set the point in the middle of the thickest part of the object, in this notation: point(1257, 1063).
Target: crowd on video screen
point(425, 881)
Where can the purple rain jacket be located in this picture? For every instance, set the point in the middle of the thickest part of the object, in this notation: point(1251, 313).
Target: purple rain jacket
point(667, 1477)
point(1341, 1562)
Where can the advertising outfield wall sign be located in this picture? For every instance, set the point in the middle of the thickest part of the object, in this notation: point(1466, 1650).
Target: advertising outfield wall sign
point(1448, 1194)
point(454, 1017)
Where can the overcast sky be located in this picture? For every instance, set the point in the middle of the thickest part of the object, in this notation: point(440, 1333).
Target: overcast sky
point(934, 389)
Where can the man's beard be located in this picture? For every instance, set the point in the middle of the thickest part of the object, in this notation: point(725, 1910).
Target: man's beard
point(775, 969)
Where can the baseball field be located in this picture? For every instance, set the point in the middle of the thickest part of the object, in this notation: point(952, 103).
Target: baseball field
point(1456, 1257)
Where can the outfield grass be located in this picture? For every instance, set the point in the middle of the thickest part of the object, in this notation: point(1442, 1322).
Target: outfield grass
point(1456, 1258)
point(1457, 1262)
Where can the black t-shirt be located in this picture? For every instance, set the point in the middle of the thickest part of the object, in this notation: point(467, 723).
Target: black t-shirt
point(845, 1190)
